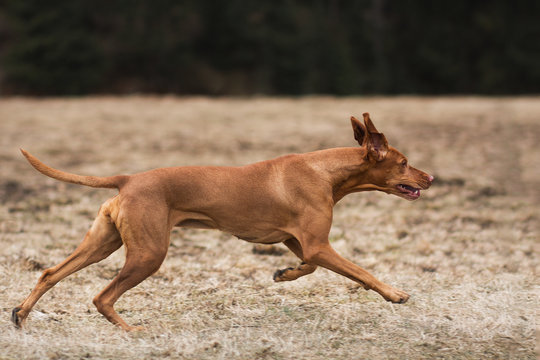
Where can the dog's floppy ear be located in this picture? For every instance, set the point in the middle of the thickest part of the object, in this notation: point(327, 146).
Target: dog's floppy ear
point(360, 131)
point(376, 142)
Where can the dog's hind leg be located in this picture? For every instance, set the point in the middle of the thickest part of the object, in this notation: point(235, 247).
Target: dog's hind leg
point(139, 265)
point(303, 269)
point(100, 241)
point(146, 238)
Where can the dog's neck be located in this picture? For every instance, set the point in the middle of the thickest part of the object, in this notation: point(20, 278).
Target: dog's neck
point(346, 169)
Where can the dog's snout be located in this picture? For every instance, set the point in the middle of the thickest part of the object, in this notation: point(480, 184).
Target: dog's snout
point(429, 179)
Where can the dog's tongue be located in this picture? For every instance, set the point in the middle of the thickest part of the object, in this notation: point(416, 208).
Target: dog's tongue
point(412, 190)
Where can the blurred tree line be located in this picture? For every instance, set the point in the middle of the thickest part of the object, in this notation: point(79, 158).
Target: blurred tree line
point(269, 47)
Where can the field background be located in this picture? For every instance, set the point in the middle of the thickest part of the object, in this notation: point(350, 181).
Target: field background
point(466, 251)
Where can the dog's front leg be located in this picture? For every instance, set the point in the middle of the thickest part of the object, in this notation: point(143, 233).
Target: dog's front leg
point(290, 273)
point(319, 252)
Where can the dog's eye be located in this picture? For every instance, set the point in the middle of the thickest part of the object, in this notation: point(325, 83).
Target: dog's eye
point(404, 163)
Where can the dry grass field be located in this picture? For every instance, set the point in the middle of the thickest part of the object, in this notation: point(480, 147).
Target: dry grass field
point(466, 251)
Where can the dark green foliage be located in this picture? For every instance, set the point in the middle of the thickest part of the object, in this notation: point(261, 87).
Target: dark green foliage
point(269, 47)
point(51, 49)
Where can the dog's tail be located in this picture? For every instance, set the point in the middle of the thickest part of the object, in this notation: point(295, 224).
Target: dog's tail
point(93, 181)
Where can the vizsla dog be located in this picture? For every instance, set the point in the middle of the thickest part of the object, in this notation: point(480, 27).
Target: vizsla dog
point(289, 199)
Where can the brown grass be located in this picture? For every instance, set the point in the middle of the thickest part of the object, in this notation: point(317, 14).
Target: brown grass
point(467, 251)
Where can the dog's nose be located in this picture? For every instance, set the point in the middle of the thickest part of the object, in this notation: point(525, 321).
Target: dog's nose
point(431, 178)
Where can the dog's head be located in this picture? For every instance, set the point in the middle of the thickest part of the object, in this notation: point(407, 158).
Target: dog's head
point(389, 169)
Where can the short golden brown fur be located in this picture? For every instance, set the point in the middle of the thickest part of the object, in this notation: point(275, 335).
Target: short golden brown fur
point(289, 199)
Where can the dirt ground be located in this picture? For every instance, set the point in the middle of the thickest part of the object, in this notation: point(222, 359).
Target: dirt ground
point(466, 251)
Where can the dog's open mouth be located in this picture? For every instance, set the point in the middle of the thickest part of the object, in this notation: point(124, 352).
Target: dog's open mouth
point(409, 191)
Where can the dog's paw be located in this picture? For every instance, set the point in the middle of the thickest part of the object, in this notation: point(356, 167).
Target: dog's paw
point(397, 296)
point(15, 319)
point(279, 274)
point(135, 329)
